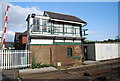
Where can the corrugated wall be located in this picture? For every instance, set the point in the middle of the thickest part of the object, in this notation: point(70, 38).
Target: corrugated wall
point(103, 51)
point(106, 51)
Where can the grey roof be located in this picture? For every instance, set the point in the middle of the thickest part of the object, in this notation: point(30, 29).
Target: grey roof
point(63, 17)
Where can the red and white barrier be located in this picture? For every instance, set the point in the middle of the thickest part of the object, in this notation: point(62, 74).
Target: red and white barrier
point(5, 27)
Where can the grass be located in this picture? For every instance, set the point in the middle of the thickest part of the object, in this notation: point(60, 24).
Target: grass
point(62, 67)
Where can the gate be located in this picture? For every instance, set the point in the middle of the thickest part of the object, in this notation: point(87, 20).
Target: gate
point(11, 59)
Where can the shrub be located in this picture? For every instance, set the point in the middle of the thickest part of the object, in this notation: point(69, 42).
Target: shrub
point(33, 62)
point(38, 65)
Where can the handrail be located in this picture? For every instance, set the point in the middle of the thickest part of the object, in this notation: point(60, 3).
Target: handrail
point(55, 29)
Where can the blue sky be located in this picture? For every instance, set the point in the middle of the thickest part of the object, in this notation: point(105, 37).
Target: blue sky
point(61, 0)
point(102, 17)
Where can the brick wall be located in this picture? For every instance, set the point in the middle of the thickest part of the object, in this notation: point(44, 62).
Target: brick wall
point(50, 54)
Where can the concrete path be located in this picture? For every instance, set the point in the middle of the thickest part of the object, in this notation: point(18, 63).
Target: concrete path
point(9, 75)
point(90, 62)
point(12, 75)
point(37, 70)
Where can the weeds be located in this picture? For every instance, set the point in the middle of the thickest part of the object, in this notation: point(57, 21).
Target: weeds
point(39, 65)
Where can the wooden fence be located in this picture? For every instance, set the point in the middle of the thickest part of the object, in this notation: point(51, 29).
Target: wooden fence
point(10, 59)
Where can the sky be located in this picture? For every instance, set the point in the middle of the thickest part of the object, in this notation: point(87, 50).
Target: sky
point(101, 17)
point(61, 0)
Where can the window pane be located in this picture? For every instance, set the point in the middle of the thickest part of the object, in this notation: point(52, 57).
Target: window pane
point(76, 30)
point(68, 28)
point(36, 24)
point(69, 51)
point(45, 25)
point(58, 27)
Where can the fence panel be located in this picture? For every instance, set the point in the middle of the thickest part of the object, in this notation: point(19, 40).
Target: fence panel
point(14, 59)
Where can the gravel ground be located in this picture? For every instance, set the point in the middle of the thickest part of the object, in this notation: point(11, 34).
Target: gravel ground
point(75, 73)
point(82, 73)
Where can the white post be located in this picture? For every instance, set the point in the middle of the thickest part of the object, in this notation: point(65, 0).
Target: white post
point(10, 58)
point(2, 59)
point(5, 59)
point(6, 62)
point(28, 57)
point(26, 54)
point(12, 53)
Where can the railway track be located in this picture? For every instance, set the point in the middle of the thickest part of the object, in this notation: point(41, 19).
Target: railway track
point(104, 71)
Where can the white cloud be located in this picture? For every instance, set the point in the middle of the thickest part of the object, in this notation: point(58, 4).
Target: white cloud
point(9, 36)
point(0, 33)
point(17, 16)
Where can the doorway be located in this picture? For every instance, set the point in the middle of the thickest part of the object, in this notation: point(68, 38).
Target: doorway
point(86, 52)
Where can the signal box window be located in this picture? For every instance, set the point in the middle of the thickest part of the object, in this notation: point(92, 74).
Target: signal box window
point(69, 52)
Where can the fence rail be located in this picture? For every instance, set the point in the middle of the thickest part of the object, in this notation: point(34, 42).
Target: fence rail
point(10, 59)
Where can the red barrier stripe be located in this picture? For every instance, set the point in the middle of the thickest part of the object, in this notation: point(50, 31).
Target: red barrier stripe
point(4, 41)
point(7, 8)
point(4, 30)
point(6, 19)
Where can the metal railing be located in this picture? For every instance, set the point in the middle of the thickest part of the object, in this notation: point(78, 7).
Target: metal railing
point(10, 59)
point(54, 29)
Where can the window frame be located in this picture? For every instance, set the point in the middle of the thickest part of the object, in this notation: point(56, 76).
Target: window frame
point(69, 52)
point(36, 25)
